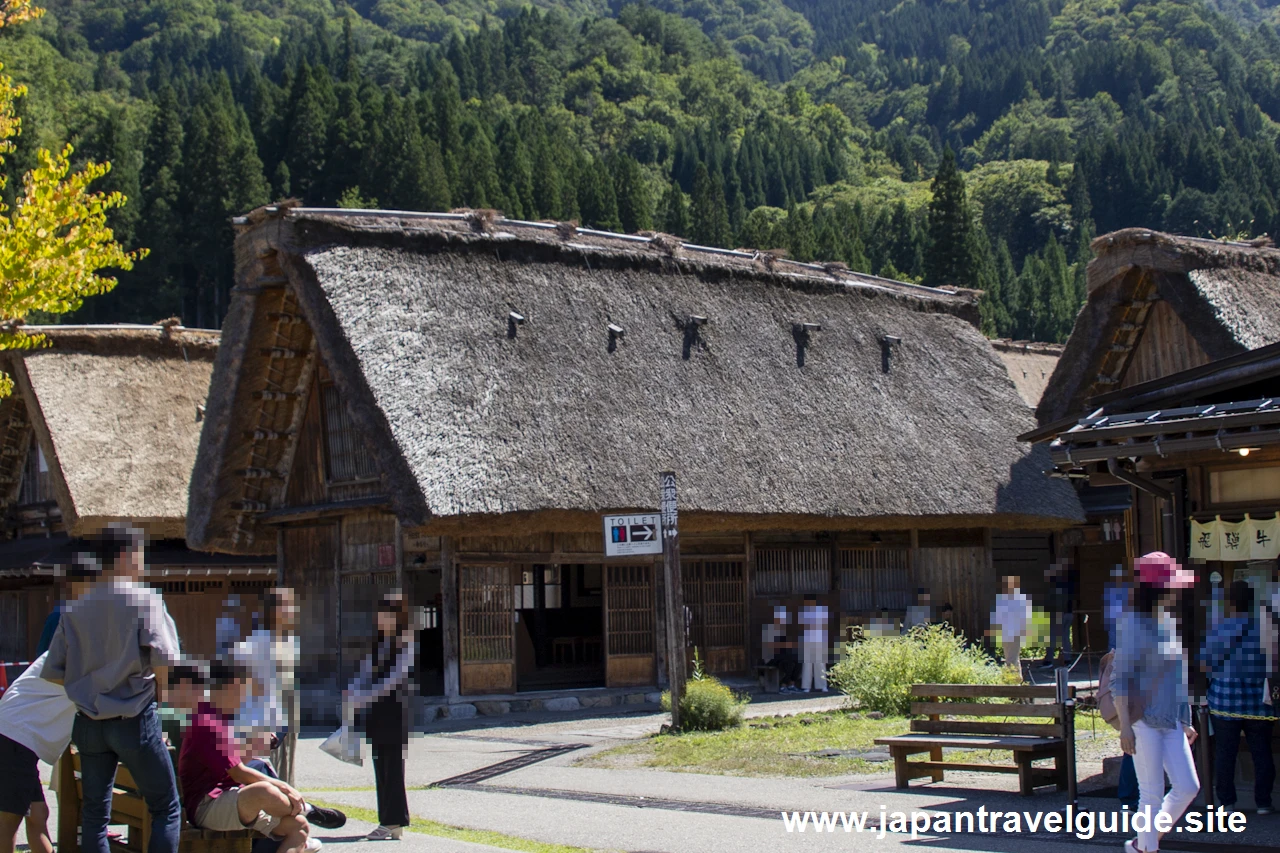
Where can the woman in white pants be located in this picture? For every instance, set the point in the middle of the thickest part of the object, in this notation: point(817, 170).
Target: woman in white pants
point(1149, 683)
point(813, 622)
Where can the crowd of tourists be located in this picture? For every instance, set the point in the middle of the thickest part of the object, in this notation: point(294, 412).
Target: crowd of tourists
point(199, 738)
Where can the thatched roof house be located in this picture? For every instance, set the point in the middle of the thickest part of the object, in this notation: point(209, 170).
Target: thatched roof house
point(1030, 364)
point(1159, 304)
point(116, 414)
point(544, 375)
point(103, 426)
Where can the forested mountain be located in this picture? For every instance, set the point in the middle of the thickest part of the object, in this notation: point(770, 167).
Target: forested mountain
point(813, 125)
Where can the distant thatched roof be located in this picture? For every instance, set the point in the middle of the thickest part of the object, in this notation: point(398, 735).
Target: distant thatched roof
point(552, 419)
point(1227, 294)
point(1030, 364)
point(117, 412)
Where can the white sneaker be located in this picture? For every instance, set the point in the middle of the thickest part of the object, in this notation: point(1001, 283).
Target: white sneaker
point(313, 844)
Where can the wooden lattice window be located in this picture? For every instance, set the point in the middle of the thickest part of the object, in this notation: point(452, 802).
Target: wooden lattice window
point(629, 600)
point(523, 590)
point(875, 579)
point(792, 571)
point(485, 599)
point(37, 481)
point(715, 593)
point(347, 456)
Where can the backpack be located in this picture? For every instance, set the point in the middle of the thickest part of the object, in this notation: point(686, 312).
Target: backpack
point(1107, 700)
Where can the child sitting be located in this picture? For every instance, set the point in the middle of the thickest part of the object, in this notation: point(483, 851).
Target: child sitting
point(221, 793)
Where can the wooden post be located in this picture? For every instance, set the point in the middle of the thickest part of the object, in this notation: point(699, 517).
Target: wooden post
point(68, 804)
point(449, 616)
point(674, 596)
point(1067, 704)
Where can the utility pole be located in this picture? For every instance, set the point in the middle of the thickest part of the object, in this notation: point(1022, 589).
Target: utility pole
point(674, 596)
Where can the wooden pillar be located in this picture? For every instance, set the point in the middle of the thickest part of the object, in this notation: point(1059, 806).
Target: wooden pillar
point(68, 804)
point(987, 587)
point(335, 626)
point(449, 616)
point(674, 597)
point(913, 560)
point(660, 621)
point(748, 577)
point(399, 545)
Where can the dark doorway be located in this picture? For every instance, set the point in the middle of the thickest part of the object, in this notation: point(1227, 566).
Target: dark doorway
point(559, 626)
point(422, 582)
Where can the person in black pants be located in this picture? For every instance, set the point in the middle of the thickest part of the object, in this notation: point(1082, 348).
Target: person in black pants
point(381, 691)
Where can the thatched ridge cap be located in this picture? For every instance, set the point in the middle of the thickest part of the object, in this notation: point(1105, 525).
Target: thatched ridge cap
point(1181, 253)
point(125, 339)
point(468, 228)
point(1033, 347)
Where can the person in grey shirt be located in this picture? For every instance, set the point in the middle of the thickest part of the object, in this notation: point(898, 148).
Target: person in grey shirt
point(112, 651)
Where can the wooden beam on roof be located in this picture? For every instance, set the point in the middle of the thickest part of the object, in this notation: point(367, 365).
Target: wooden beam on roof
point(302, 513)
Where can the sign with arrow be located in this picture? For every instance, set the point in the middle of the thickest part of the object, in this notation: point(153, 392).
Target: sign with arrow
point(632, 535)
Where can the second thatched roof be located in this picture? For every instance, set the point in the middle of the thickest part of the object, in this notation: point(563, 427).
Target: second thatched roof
point(116, 411)
point(1225, 294)
point(515, 371)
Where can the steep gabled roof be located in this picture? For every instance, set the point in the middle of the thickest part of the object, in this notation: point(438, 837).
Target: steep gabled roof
point(1030, 364)
point(1226, 294)
point(116, 411)
point(475, 414)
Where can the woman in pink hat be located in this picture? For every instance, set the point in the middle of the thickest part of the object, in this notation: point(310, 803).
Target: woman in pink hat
point(1149, 682)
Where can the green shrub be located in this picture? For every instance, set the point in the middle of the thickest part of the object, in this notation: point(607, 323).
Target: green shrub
point(708, 705)
point(877, 673)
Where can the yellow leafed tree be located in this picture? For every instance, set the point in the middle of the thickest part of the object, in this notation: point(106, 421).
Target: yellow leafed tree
point(55, 239)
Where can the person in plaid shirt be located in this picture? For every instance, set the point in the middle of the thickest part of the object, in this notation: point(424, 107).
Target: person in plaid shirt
point(1237, 668)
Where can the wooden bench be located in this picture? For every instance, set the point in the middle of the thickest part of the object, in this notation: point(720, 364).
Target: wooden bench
point(129, 809)
point(1053, 738)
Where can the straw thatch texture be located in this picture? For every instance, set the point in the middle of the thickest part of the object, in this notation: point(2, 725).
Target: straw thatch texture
point(1030, 364)
point(119, 409)
point(1226, 294)
point(559, 419)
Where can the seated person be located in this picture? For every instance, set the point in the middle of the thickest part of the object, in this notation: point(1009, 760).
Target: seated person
point(188, 689)
point(219, 791)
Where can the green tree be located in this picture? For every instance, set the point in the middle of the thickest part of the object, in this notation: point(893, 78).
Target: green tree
point(55, 238)
point(949, 259)
point(708, 213)
point(633, 195)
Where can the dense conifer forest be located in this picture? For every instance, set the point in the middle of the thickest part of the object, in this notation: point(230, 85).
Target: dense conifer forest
point(974, 143)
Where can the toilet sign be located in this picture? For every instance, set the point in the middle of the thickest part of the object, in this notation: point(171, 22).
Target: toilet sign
point(629, 535)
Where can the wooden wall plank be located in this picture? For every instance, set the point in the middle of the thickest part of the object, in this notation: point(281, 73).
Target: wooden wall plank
point(1166, 346)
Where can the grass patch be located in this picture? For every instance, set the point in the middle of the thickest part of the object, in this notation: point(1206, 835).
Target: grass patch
point(458, 833)
point(788, 746)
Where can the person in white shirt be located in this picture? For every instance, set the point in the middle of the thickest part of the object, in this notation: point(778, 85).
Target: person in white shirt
point(1012, 616)
point(813, 624)
point(35, 725)
point(270, 654)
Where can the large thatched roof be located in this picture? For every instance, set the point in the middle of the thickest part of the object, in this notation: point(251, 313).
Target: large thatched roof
point(1030, 364)
point(1226, 294)
point(116, 411)
point(549, 422)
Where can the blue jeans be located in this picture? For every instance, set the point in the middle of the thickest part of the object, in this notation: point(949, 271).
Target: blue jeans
point(1257, 733)
point(135, 742)
point(1127, 790)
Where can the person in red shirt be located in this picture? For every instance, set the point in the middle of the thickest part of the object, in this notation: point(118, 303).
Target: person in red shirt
point(218, 790)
